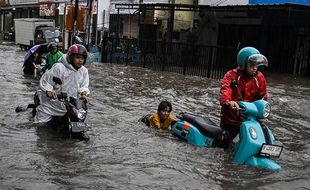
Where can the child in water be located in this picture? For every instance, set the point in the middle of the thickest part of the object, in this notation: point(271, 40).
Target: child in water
point(163, 118)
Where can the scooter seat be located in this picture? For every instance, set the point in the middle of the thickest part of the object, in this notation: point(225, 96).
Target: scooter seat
point(206, 126)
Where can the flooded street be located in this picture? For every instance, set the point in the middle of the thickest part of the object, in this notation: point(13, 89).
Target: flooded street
point(124, 154)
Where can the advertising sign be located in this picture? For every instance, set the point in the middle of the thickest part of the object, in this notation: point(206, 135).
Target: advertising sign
point(47, 10)
point(3, 2)
point(81, 18)
point(46, 1)
point(22, 2)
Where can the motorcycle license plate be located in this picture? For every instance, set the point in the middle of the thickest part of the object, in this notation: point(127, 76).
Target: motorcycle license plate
point(271, 150)
point(77, 127)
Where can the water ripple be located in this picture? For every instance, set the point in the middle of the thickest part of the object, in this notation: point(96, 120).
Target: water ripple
point(125, 154)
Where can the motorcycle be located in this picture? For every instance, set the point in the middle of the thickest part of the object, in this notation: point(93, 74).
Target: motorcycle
point(256, 145)
point(198, 130)
point(71, 125)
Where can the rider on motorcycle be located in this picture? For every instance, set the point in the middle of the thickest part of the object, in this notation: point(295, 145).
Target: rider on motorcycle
point(53, 55)
point(244, 83)
point(75, 80)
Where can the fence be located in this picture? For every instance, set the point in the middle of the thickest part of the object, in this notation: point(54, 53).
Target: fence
point(184, 58)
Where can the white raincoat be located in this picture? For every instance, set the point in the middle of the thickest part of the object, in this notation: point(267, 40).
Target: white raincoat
point(73, 83)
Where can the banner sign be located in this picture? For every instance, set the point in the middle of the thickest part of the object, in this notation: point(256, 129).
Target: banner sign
point(46, 1)
point(3, 2)
point(22, 2)
point(47, 10)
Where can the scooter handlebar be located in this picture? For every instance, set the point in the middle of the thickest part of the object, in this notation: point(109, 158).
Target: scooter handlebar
point(239, 109)
point(62, 95)
point(180, 115)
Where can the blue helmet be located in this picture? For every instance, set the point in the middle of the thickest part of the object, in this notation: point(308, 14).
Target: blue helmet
point(250, 55)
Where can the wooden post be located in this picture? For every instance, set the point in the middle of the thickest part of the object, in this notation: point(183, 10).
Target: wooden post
point(75, 15)
point(88, 21)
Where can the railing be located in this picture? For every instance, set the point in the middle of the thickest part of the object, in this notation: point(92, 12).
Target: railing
point(184, 58)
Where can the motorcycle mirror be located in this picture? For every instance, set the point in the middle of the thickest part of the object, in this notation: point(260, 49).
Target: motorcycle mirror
point(78, 40)
point(57, 33)
point(57, 80)
point(234, 84)
point(48, 34)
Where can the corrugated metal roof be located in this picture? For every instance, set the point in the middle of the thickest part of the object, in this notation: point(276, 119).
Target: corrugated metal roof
point(278, 2)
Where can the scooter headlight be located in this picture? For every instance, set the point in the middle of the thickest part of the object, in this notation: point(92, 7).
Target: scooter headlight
point(267, 110)
point(81, 113)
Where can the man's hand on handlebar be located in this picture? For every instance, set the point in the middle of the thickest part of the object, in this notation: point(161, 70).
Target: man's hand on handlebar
point(51, 94)
point(84, 96)
point(232, 105)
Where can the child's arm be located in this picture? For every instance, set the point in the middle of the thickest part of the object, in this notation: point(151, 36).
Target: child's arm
point(34, 65)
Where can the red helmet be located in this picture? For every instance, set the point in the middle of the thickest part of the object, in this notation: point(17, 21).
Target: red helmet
point(76, 49)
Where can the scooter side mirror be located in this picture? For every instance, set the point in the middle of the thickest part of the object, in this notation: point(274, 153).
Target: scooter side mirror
point(57, 33)
point(78, 40)
point(57, 80)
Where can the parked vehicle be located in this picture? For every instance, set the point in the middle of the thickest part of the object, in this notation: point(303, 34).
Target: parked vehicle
point(256, 146)
point(32, 31)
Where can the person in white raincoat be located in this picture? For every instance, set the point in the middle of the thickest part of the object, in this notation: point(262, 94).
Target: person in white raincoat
point(75, 81)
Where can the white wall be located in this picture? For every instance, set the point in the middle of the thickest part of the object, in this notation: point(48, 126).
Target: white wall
point(223, 2)
point(21, 2)
point(103, 5)
point(155, 1)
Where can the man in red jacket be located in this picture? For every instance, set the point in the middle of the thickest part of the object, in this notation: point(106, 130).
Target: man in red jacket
point(244, 83)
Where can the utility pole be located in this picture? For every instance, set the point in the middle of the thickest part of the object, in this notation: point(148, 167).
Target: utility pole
point(170, 22)
point(96, 38)
point(89, 19)
point(139, 21)
point(75, 15)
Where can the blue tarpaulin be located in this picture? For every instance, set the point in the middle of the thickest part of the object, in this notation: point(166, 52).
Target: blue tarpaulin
point(265, 2)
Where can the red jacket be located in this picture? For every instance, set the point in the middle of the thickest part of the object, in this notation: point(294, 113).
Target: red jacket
point(250, 89)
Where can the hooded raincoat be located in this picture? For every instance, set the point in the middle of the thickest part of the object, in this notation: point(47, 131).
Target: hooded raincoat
point(52, 58)
point(249, 89)
point(73, 83)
